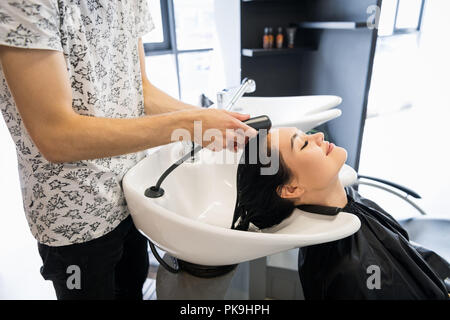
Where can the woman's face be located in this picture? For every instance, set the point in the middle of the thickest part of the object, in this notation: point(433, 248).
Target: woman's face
point(314, 163)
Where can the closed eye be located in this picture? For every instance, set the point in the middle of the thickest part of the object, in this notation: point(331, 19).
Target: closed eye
point(304, 146)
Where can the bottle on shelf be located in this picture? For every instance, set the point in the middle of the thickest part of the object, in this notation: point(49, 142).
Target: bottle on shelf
point(266, 39)
point(291, 31)
point(271, 38)
point(280, 38)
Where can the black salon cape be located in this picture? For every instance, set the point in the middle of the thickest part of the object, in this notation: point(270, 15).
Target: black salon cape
point(340, 269)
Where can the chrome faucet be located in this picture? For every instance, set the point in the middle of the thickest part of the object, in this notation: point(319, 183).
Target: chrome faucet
point(247, 86)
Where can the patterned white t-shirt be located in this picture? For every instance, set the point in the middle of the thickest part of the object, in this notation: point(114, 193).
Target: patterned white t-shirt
point(79, 201)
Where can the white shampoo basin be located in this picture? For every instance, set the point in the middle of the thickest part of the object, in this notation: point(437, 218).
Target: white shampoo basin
point(192, 220)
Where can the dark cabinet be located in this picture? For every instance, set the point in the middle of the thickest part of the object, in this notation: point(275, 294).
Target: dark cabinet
point(333, 55)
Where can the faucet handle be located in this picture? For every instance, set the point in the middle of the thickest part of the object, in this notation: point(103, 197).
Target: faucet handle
point(250, 85)
point(220, 99)
point(223, 97)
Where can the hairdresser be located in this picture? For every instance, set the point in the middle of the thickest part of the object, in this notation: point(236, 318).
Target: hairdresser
point(80, 109)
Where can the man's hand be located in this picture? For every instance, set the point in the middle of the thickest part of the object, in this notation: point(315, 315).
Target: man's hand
point(220, 129)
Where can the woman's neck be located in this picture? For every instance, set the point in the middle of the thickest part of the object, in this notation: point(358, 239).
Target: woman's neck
point(332, 196)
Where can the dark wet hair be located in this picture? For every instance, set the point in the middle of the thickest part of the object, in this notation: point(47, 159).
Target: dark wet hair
point(257, 199)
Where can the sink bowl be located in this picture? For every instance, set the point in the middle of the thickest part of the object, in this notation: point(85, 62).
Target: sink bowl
point(192, 220)
point(303, 112)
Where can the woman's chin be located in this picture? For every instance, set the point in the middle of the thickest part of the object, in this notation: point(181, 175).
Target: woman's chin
point(339, 153)
point(340, 156)
point(344, 153)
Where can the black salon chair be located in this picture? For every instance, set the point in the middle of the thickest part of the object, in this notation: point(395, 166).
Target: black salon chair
point(427, 231)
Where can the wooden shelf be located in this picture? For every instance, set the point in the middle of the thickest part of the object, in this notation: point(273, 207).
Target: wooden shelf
point(259, 52)
point(345, 25)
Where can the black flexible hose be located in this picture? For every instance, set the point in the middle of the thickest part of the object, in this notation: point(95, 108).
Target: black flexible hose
point(162, 262)
point(176, 164)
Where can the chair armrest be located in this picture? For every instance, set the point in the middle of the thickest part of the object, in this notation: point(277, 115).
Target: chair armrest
point(392, 184)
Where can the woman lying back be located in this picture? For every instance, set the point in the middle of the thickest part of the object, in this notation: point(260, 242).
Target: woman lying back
point(306, 176)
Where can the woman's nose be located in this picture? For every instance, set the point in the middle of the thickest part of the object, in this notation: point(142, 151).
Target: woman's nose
point(319, 137)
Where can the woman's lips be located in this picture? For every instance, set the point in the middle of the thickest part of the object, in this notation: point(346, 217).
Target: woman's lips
point(330, 148)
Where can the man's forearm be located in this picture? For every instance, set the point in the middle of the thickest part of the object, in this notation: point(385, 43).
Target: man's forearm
point(39, 82)
point(84, 137)
point(157, 101)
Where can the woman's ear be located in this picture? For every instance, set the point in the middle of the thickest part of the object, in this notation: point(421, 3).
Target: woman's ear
point(290, 191)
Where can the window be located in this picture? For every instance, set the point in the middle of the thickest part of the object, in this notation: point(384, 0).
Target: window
point(395, 71)
point(178, 51)
point(194, 69)
point(157, 35)
point(408, 14)
point(161, 71)
point(400, 17)
point(159, 38)
point(387, 18)
point(194, 23)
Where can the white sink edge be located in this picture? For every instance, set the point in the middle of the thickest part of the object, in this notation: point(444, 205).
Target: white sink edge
point(318, 119)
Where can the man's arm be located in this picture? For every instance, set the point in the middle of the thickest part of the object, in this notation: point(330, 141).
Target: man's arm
point(155, 100)
point(39, 83)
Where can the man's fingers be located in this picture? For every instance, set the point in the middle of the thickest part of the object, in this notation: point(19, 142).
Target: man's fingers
point(239, 116)
point(245, 129)
point(250, 132)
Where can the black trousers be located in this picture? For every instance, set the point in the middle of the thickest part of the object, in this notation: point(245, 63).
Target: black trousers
point(113, 266)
